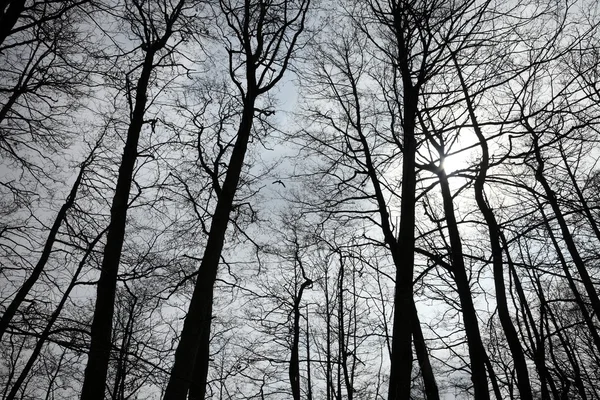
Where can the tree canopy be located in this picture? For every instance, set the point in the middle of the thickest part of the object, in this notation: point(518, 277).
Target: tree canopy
point(299, 199)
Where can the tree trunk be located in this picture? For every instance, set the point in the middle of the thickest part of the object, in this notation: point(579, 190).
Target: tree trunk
point(535, 337)
point(342, 345)
point(580, 196)
point(510, 332)
point(193, 352)
point(404, 259)
point(566, 234)
point(294, 370)
point(475, 344)
point(97, 366)
point(39, 267)
point(571, 281)
point(431, 389)
point(46, 333)
point(309, 395)
point(9, 17)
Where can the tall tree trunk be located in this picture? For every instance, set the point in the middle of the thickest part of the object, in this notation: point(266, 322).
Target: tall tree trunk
point(401, 248)
point(118, 392)
point(571, 280)
point(294, 369)
point(403, 253)
point(566, 234)
point(328, 361)
point(493, 378)
point(265, 40)
point(342, 345)
point(193, 352)
point(97, 367)
point(542, 321)
point(475, 344)
point(568, 351)
point(510, 332)
point(101, 332)
point(535, 336)
point(584, 204)
point(309, 395)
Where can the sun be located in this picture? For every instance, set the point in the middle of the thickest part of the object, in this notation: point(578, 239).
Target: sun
point(454, 162)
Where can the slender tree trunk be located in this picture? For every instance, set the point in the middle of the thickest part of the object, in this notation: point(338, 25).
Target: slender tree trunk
point(309, 395)
point(543, 321)
point(46, 333)
point(328, 367)
point(475, 344)
point(493, 378)
point(571, 281)
point(118, 392)
point(568, 351)
point(431, 389)
point(294, 370)
point(39, 267)
point(566, 234)
point(342, 345)
point(584, 204)
point(536, 338)
point(510, 332)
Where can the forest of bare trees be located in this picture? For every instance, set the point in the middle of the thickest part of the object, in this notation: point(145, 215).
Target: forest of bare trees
point(300, 199)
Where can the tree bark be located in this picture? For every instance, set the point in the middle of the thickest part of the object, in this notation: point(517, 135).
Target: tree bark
point(294, 370)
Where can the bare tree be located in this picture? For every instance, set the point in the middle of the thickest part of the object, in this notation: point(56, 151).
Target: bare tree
point(265, 36)
point(160, 23)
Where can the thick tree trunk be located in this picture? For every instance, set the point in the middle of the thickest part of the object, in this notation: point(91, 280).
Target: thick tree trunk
point(403, 254)
point(193, 352)
point(9, 17)
point(97, 366)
